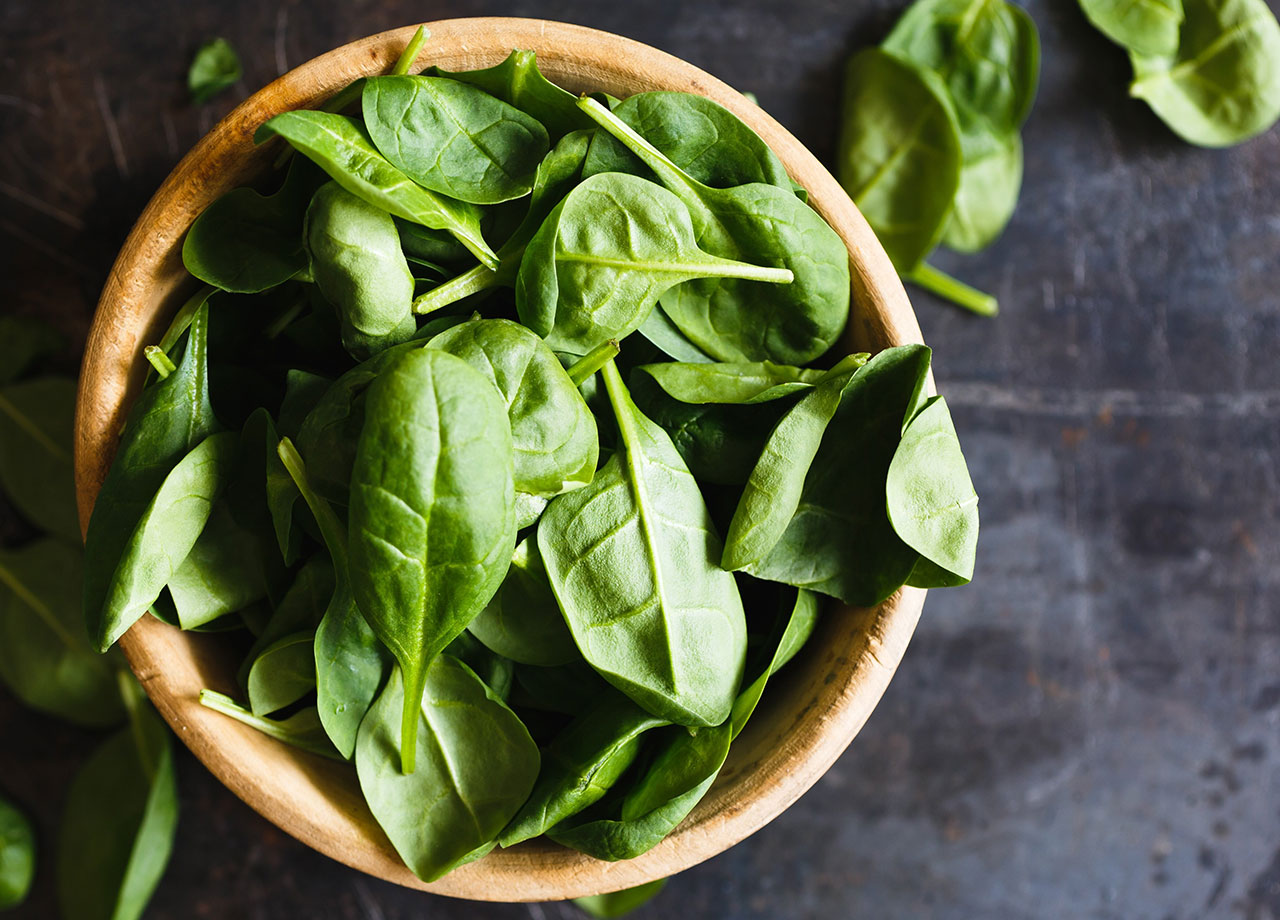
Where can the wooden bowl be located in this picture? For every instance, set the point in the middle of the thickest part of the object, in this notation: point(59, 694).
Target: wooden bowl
point(812, 710)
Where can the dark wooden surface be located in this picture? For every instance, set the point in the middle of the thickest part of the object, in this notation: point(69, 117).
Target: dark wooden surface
point(1090, 730)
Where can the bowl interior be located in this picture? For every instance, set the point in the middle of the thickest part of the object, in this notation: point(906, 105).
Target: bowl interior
point(811, 711)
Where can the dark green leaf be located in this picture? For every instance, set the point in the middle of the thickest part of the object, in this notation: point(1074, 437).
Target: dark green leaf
point(227, 569)
point(17, 856)
point(518, 81)
point(215, 67)
point(739, 383)
point(36, 420)
point(619, 903)
point(24, 342)
point(283, 673)
point(523, 621)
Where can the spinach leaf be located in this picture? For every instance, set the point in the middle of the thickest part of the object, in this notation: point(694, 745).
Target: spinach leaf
point(45, 658)
point(518, 81)
point(581, 765)
point(700, 136)
point(495, 671)
point(618, 903)
point(168, 420)
point(569, 689)
point(1221, 86)
point(226, 570)
point(341, 147)
point(435, 246)
point(283, 673)
point(36, 421)
point(350, 661)
point(1146, 27)
point(932, 505)
point(301, 609)
point(301, 730)
point(302, 390)
point(454, 138)
point(728, 317)
point(247, 242)
point(528, 509)
point(119, 820)
point(17, 855)
point(737, 383)
point(603, 257)
point(632, 560)
point(773, 490)
point(23, 343)
point(262, 498)
point(553, 433)
point(432, 520)
point(899, 153)
point(559, 171)
point(215, 67)
point(661, 332)
point(523, 620)
point(839, 541)
point(476, 760)
point(986, 198)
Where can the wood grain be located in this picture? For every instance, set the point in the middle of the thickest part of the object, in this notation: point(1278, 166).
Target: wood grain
point(812, 711)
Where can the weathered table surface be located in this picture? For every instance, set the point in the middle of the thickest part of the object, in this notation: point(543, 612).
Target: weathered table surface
point(1090, 730)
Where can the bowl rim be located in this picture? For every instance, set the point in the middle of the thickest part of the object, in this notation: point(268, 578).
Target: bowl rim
point(293, 794)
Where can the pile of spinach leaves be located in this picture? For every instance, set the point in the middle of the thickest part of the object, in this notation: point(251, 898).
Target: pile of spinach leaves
point(507, 437)
point(121, 810)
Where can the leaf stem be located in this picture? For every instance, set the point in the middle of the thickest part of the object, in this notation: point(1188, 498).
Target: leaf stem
point(160, 361)
point(330, 527)
point(134, 699)
point(272, 728)
point(410, 53)
point(939, 282)
point(592, 361)
point(473, 281)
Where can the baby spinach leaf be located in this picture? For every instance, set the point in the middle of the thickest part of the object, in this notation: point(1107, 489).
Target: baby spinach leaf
point(773, 490)
point(226, 570)
point(604, 256)
point(341, 147)
point(360, 269)
point(986, 198)
point(283, 673)
point(435, 246)
point(36, 420)
point(215, 67)
point(454, 138)
point(1221, 86)
point(660, 331)
point(432, 521)
point(700, 136)
point(518, 81)
point(1142, 26)
point(23, 343)
point(476, 761)
point(302, 390)
point(899, 153)
point(796, 631)
point(632, 560)
point(839, 541)
point(301, 730)
point(247, 242)
point(168, 420)
point(737, 383)
point(496, 672)
point(118, 822)
point(17, 855)
point(559, 171)
point(619, 903)
point(45, 658)
point(300, 609)
point(726, 316)
point(931, 501)
point(581, 765)
point(553, 433)
point(528, 509)
point(350, 661)
point(523, 620)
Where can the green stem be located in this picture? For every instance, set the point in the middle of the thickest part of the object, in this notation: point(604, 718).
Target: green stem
point(134, 699)
point(473, 281)
point(671, 175)
point(592, 361)
point(181, 321)
point(330, 527)
point(410, 53)
point(160, 361)
point(952, 289)
point(272, 728)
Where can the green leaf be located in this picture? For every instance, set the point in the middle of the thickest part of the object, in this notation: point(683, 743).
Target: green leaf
point(45, 657)
point(215, 67)
point(454, 138)
point(1222, 85)
point(283, 673)
point(632, 560)
point(17, 855)
point(619, 903)
point(931, 501)
point(432, 523)
point(1141, 26)
point(118, 824)
point(301, 730)
point(300, 609)
point(523, 620)
point(986, 198)
point(518, 81)
point(742, 383)
point(226, 570)
point(476, 765)
point(341, 147)
point(24, 342)
point(899, 153)
point(36, 421)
